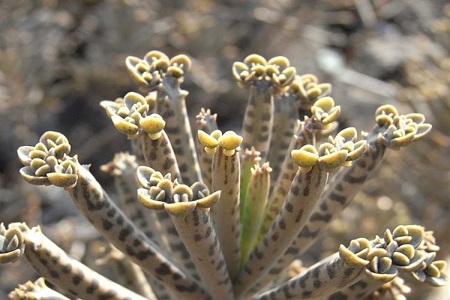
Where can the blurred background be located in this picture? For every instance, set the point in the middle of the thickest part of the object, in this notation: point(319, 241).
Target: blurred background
point(59, 59)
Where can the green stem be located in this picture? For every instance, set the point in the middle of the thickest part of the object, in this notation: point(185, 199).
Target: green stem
point(258, 190)
point(303, 194)
point(249, 159)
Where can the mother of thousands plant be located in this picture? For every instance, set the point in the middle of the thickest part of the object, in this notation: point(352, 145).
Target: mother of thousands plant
point(226, 216)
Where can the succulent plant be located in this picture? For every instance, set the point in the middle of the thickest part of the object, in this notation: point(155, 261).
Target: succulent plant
point(223, 215)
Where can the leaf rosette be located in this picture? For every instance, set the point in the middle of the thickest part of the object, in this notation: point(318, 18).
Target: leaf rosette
point(325, 110)
point(11, 244)
point(158, 192)
point(338, 151)
point(46, 163)
point(397, 131)
point(256, 68)
point(308, 90)
point(432, 272)
point(127, 113)
point(356, 253)
point(155, 65)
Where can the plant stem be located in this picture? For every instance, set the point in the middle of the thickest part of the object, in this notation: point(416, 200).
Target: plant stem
point(109, 220)
point(303, 194)
point(202, 243)
point(225, 214)
point(258, 119)
point(69, 274)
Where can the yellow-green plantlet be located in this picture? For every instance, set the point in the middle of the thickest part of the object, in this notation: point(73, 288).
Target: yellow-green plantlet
point(219, 215)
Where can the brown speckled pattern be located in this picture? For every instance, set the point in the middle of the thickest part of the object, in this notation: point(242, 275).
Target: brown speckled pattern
point(177, 249)
point(324, 278)
point(202, 243)
point(123, 168)
point(70, 275)
point(302, 196)
point(258, 119)
point(339, 193)
point(284, 125)
point(160, 155)
point(173, 110)
point(283, 182)
point(121, 232)
point(225, 214)
point(136, 149)
point(358, 290)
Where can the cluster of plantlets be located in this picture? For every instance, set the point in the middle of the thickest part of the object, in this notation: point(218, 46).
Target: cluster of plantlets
point(226, 216)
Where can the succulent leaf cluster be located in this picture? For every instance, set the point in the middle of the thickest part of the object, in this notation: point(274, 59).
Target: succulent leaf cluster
point(222, 215)
point(400, 130)
point(256, 69)
point(46, 163)
point(155, 66)
point(11, 244)
point(159, 192)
